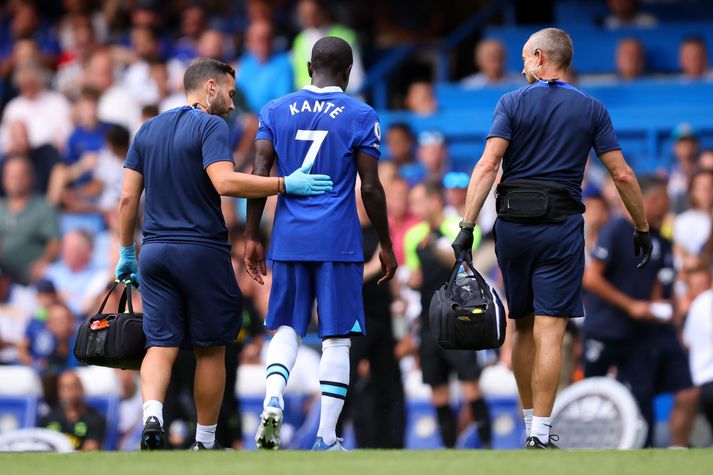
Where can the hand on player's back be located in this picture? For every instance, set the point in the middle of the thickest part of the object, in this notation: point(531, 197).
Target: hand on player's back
point(388, 265)
point(255, 260)
point(300, 182)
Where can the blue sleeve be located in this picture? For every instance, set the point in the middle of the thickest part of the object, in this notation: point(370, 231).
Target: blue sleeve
point(214, 140)
point(368, 136)
point(502, 120)
point(134, 160)
point(604, 136)
point(603, 250)
point(264, 130)
point(72, 154)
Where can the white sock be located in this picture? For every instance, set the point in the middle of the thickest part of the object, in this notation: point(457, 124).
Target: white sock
point(334, 378)
point(153, 409)
point(206, 435)
point(527, 416)
point(281, 356)
point(541, 428)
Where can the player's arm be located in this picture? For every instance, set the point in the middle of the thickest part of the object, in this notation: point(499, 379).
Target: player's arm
point(254, 256)
point(372, 194)
point(228, 182)
point(481, 182)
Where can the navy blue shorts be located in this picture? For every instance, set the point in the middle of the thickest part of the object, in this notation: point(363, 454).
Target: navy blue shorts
point(335, 285)
point(542, 267)
point(190, 295)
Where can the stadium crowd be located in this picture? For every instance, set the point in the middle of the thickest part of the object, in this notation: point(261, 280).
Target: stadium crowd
point(77, 82)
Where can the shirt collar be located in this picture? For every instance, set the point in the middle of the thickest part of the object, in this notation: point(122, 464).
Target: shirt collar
point(323, 90)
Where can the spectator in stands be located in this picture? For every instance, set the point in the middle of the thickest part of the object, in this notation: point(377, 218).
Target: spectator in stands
point(694, 278)
point(145, 49)
point(45, 113)
point(692, 227)
point(400, 217)
point(74, 272)
point(430, 259)
point(263, 74)
point(697, 332)
point(400, 143)
point(74, 417)
point(43, 158)
point(408, 21)
point(420, 99)
point(693, 57)
point(86, 139)
point(47, 346)
point(167, 97)
point(317, 22)
point(629, 323)
point(80, 12)
point(116, 105)
point(630, 59)
point(26, 23)
point(109, 171)
point(433, 154)
point(73, 64)
point(193, 24)
point(626, 13)
point(456, 186)
point(130, 409)
point(37, 336)
point(17, 304)
point(685, 150)
point(212, 45)
point(490, 61)
point(29, 228)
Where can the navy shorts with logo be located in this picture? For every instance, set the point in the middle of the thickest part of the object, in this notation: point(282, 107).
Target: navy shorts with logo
point(190, 295)
point(542, 267)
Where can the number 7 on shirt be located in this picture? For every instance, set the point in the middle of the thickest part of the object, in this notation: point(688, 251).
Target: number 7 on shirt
point(316, 137)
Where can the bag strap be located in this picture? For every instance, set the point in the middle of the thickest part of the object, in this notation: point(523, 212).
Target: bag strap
point(108, 294)
point(126, 299)
point(454, 274)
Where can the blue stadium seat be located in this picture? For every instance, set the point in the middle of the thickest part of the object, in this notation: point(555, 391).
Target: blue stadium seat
point(108, 406)
point(594, 48)
point(17, 412)
point(422, 426)
point(578, 12)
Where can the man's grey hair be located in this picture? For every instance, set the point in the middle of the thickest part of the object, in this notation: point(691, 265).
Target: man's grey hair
point(556, 44)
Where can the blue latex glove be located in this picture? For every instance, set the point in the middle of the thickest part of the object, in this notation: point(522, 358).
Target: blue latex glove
point(127, 264)
point(300, 182)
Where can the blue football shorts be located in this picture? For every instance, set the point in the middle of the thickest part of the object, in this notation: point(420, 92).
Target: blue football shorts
point(336, 287)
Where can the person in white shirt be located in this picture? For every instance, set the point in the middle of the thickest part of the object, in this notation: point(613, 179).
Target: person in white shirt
point(692, 228)
point(625, 13)
point(47, 114)
point(698, 337)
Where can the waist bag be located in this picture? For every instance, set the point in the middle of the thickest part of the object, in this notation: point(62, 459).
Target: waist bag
point(115, 340)
point(535, 202)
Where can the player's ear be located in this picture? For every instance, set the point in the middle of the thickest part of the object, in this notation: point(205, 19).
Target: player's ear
point(309, 68)
point(347, 73)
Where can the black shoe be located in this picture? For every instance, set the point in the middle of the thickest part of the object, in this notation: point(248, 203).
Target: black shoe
point(153, 437)
point(199, 446)
point(534, 443)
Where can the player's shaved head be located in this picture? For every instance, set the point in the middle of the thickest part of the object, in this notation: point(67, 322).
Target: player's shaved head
point(201, 70)
point(331, 56)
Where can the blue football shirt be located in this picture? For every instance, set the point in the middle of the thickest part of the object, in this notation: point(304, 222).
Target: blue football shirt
point(327, 128)
point(551, 127)
point(172, 151)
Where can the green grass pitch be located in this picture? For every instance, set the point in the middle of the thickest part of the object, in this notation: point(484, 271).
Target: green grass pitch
point(367, 462)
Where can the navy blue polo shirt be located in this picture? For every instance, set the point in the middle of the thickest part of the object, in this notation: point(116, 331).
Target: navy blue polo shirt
point(172, 151)
point(614, 248)
point(551, 127)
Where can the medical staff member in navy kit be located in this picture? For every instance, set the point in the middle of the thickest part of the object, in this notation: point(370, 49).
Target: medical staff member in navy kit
point(542, 133)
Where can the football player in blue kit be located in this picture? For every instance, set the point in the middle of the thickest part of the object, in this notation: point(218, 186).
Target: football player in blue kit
point(316, 247)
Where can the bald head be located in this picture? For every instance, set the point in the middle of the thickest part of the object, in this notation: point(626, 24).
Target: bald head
point(554, 43)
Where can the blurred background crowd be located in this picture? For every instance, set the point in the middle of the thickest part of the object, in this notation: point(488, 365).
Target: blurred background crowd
point(79, 77)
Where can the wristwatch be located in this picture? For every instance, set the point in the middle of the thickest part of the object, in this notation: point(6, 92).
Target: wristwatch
point(466, 225)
